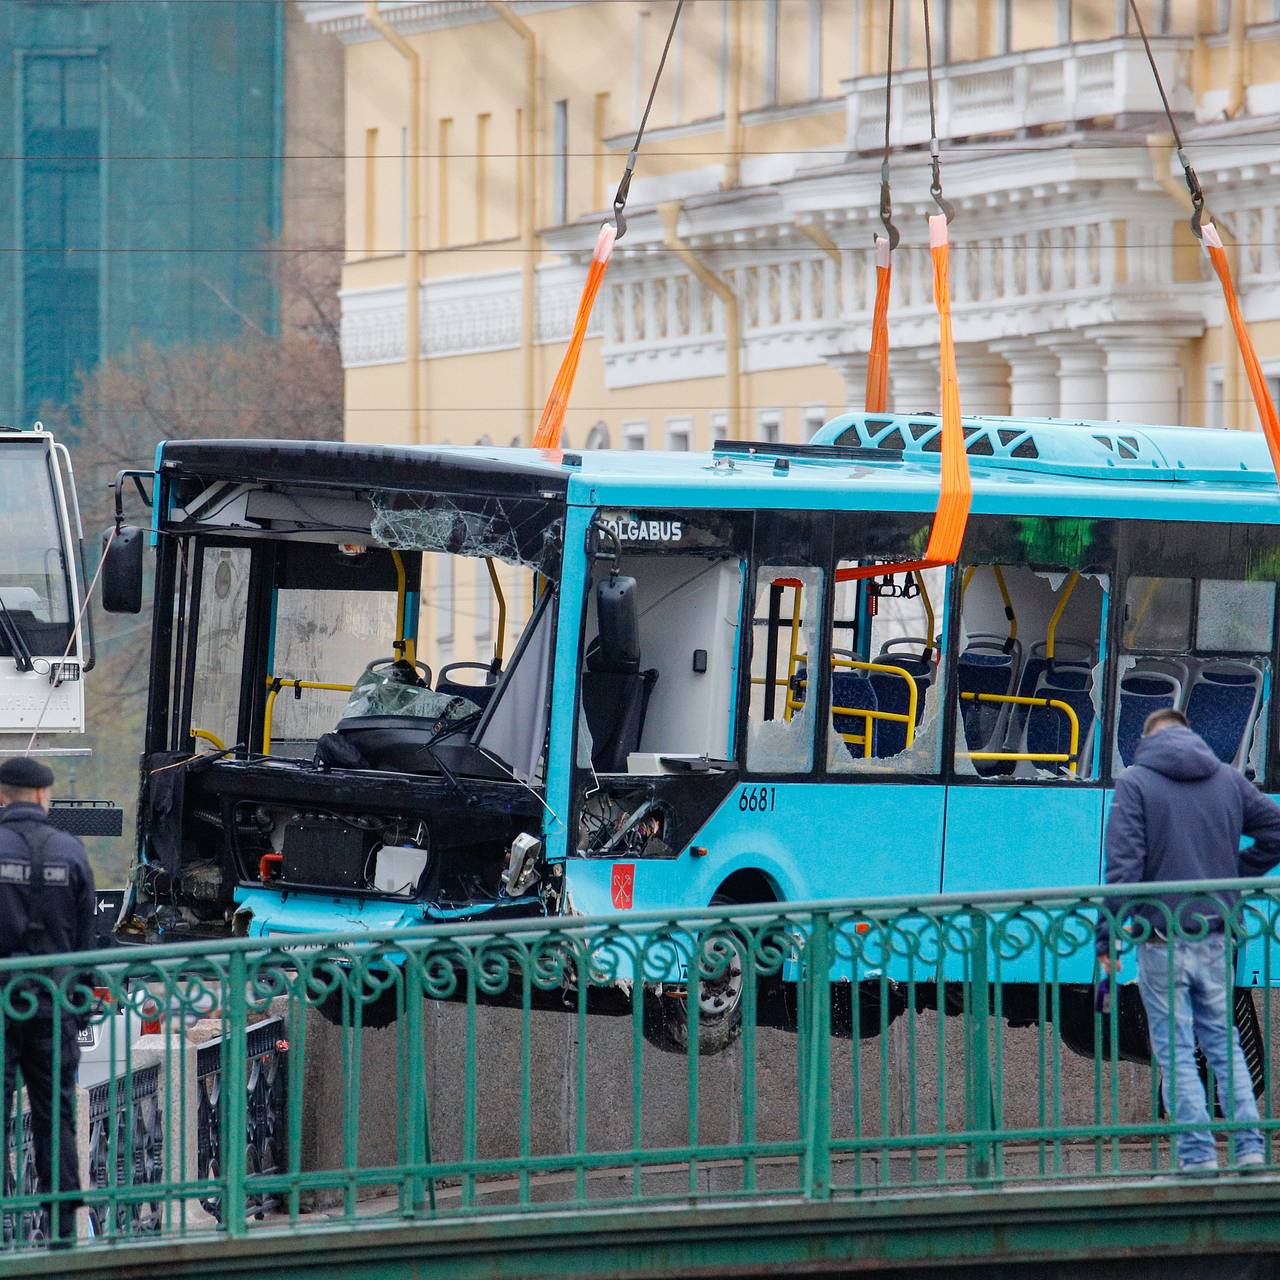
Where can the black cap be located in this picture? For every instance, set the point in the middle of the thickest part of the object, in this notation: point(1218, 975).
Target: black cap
point(23, 771)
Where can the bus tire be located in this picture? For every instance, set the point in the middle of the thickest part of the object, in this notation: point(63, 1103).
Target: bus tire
point(720, 1007)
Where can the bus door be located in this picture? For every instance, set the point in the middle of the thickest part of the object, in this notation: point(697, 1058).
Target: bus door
point(1025, 804)
point(881, 802)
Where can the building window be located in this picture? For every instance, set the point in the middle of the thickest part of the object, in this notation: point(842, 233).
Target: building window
point(1004, 26)
point(815, 416)
point(598, 436)
point(814, 76)
point(724, 55)
point(1217, 413)
point(769, 425)
point(482, 176)
point(370, 191)
point(771, 33)
point(719, 427)
point(484, 604)
point(680, 434)
point(443, 599)
point(600, 130)
point(560, 184)
point(635, 435)
point(61, 224)
point(404, 190)
point(442, 177)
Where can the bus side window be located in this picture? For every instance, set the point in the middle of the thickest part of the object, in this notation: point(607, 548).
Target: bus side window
point(783, 641)
point(886, 695)
point(1202, 647)
point(1028, 679)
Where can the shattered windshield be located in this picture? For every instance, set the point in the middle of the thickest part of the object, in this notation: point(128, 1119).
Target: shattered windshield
point(517, 531)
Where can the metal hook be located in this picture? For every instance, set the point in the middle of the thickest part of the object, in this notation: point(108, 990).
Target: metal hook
point(886, 209)
point(620, 200)
point(1197, 196)
point(935, 187)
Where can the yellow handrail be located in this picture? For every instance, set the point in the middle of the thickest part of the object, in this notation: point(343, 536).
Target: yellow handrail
point(930, 618)
point(1004, 595)
point(206, 736)
point(1058, 612)
point(274, 685)
point(1008, 602)
point(868, 714)
point(404, 644)
point(499, 640)
point(1054, 757)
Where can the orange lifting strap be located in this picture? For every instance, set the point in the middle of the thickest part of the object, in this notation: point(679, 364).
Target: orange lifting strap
point(550, 424)
point(1212, 242)
point(956, 496)
point(877, 399)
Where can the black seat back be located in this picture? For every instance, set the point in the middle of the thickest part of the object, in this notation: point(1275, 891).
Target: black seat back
point(615, 703)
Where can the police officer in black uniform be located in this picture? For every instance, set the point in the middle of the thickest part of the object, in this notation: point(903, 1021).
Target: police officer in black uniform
point(46, 908)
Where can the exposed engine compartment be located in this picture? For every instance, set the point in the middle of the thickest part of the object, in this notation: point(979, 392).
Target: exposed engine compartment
point(306, 829)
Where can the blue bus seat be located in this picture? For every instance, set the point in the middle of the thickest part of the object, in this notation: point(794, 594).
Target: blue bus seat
point(986, 667)
point(1068, 652)
point(1181, 669)
point(1047, 729)
point(854, 689)
point(1222, 707)
point(1141, 693)
point(893, 695)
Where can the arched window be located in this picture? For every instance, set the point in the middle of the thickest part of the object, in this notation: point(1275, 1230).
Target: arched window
point(598, 436)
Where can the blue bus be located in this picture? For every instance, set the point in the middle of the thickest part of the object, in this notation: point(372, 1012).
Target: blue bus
point(709, 700)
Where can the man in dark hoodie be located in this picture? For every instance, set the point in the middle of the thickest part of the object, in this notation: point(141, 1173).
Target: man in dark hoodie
point(1178, 814)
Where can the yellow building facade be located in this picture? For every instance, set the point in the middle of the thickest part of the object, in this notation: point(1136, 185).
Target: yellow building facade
point(484, 142)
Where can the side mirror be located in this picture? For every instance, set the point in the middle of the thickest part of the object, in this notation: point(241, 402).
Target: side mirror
point(122, 571)
point(618, 641)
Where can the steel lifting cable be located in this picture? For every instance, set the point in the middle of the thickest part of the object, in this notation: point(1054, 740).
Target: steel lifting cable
point(952, 516)
point(551, 424)
point(877, 393)
point(1211, 241)
point(946, 536)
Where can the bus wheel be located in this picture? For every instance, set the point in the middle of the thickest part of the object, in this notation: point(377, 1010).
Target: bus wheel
point(719, 1004)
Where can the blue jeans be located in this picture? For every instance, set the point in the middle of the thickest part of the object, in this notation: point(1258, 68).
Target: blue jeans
point(1198, 988)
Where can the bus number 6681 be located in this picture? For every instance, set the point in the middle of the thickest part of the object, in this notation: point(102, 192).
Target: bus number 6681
point(758, 799)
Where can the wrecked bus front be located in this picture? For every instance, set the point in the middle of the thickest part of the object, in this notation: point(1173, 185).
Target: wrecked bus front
point(306, 767)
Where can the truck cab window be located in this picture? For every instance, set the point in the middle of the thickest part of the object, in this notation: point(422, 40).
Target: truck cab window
point(33, 582)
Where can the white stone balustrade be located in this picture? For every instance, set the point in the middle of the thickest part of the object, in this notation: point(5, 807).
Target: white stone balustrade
point(1026, 90)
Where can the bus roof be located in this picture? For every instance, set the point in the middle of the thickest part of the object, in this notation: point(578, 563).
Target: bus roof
point(857, 461)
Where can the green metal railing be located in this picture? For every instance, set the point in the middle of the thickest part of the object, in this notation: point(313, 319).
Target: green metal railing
point(814, 1051)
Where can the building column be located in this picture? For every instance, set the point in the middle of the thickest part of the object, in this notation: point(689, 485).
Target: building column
point(852, 367)
point(914, 385)
point(1143, 370)
point(984, 381)
point(1082, 380)
point(1033, 378)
